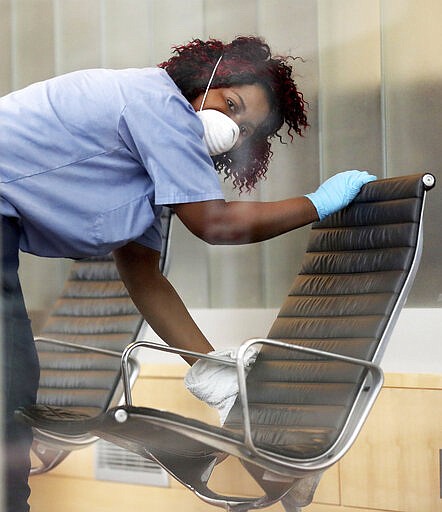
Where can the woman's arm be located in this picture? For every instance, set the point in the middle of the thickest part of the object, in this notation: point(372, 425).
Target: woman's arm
point(157, 300)
point(240, 222)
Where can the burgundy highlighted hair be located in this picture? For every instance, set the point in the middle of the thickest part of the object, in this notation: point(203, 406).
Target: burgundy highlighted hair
point(246, 60)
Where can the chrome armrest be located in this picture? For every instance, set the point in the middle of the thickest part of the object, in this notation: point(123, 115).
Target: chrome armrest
point(375, 370)
point(164, 348)
point(131, 371)
point(86, 348)
point(239, 362)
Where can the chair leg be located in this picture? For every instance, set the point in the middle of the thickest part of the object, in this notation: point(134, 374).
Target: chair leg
point(49, 458)
point(301, 494)
point(240, 507)
point(290, 508)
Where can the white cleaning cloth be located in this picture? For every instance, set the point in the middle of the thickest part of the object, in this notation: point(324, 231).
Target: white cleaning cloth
point(217, 383)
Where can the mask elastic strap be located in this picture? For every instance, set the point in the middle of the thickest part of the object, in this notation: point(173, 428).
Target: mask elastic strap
point(210, 81)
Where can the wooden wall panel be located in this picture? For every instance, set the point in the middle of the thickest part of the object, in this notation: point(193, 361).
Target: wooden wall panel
point(52, 494)
point(395, 461)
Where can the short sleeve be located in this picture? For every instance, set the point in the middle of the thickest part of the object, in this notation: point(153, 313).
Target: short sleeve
point(163, 132)
point(152, 238)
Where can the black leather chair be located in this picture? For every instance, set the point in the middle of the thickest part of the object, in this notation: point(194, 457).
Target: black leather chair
point(317, 374)
point(80, 348)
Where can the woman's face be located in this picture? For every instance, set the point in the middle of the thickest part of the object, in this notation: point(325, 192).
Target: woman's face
point(247, 105)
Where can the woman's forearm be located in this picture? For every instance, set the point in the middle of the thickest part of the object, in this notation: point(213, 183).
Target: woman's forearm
point(242, 222)
point(169, 318)
point(219, 222)
point(157, 300)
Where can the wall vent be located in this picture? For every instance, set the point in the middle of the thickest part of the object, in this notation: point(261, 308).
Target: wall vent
point(118, 465)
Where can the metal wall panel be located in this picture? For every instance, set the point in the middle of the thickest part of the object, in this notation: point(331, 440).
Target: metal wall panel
point(32, 41)
point(370, 72)
point(350, 86)
point(412, 84)
point(77, 35)
point(5, 47)
point(125, 35)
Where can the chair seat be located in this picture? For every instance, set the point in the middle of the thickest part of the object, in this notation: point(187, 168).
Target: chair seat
point(76, 422)
point(141, 429)
point(59, 420)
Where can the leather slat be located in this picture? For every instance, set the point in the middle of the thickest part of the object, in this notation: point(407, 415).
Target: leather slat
point(96, 398)
point(372, 214)
point(95, 307)
point(397, 258)
point(391, 189)
point(78, 362)
point(299, 442)
point(328, 327)
point(94, 271)
point(95, 289)
point(342, 305)
point(351, 283)
point(354, 347)
point(291, 416)
point(94, 379)
point(311, 393)
point(91, 325)
point(304, 371)
point(362, 238)
point(111, 341)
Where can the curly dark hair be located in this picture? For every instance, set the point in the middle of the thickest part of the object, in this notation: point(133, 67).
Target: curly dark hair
point(246, 60)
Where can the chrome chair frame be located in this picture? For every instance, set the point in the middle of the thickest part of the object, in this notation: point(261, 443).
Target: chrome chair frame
point(258, 461)
point(51, 448)
point(198, 447)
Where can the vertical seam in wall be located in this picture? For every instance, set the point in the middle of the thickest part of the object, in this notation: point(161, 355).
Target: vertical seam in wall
point(339, 484)
point(13, 57)
point(263, 248)
point(150, 34)
point(440, 474)
point(383, 99)
point(209, 279)
point(57, 36)
point(204, 16)
point(320, 110)
point(103, 53)
point(207, 252)
point(258, 10)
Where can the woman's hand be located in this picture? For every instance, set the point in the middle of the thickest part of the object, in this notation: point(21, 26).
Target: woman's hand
point(338, 191)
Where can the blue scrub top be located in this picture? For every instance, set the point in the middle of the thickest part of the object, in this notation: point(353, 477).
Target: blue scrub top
point(88, 159)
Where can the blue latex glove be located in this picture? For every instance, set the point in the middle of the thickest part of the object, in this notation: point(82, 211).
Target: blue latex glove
point(338, 191)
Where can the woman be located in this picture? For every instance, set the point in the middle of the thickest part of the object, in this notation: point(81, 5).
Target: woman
point(88, 159)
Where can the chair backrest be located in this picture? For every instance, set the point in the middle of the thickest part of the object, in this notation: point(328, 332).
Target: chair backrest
point(353, 281)
point(94, 310)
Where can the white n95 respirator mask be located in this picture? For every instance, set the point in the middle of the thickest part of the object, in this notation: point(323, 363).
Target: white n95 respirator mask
point(220, 132)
